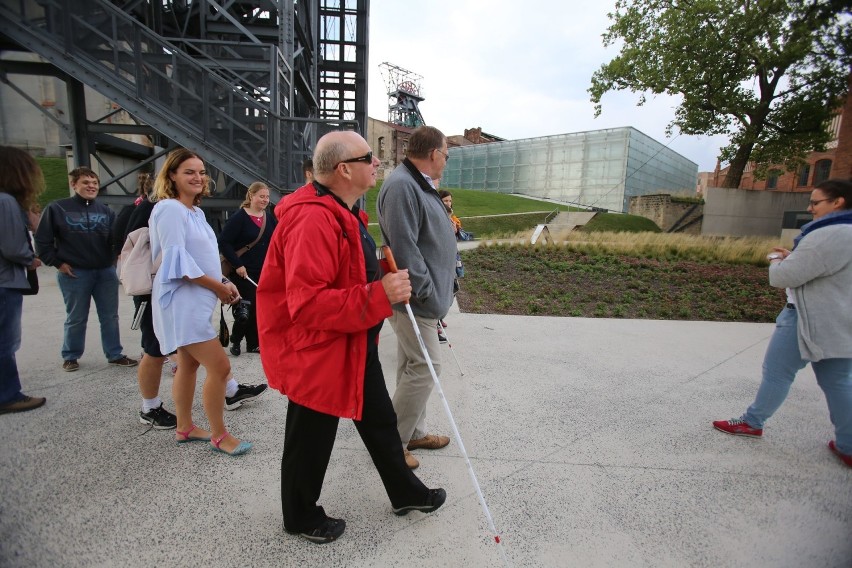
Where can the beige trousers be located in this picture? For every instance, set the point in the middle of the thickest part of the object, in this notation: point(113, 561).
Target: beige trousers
point(413, 380)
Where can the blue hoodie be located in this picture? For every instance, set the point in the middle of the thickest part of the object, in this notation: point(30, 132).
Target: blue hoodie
point(77, 231)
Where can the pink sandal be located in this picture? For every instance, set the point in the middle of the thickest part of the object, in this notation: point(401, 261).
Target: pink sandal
point(184, 437)
point(242, 448)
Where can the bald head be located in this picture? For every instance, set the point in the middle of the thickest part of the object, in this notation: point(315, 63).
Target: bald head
point(335, 147)
point(343, 163)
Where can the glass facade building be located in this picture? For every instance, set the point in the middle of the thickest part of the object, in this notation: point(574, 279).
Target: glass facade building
point(599, 168)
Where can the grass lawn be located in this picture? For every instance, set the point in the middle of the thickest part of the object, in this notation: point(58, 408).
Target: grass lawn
point(55, 178)
point(613, 222)
point(518, 214)
point(472, 203)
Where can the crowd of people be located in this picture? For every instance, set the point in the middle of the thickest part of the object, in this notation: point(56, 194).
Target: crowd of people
point(314, 299)
point(312, 294)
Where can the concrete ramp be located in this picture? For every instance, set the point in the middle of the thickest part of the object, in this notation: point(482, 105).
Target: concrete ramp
point(564, 221)
point(573, 218)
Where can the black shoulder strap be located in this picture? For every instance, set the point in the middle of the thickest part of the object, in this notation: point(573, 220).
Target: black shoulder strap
point(248, 247)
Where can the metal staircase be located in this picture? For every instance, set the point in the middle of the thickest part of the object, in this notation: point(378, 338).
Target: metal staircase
point(237, 82)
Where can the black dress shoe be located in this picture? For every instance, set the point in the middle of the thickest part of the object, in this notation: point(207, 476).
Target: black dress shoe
point(434, 500)
point(235, 349)
point(329, 530)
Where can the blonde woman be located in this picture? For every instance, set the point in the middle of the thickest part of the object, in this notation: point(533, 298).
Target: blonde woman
point(250, 227)
point(186, 289)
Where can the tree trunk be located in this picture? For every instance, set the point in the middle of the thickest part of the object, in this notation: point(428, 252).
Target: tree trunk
point(738, 166)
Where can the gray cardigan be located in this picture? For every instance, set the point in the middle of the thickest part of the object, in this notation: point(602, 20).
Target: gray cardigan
point(416, 226)
point(819, 273)
point(16, 252)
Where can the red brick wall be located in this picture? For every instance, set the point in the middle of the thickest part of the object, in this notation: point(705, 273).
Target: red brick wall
point(789, 181)
point(842, 166)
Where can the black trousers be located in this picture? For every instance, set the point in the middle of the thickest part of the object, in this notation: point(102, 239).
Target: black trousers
point(150, 343)
point(308, 441)
point(247, 329)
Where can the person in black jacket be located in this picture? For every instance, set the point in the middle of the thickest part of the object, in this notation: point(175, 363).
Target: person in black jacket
point(151, 366)
point(241, 230)
point(75, 236)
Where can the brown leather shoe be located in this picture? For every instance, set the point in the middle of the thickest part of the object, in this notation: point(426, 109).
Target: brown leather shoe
point(26, 403)
point(410, 460)
point(428, 442)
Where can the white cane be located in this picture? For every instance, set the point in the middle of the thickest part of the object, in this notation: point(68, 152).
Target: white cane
point(450, 345)
point(393, 268)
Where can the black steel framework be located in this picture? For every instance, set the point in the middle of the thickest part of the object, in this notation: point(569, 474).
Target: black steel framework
point(248, 85)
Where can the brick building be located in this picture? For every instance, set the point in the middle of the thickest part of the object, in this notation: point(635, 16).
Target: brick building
point(390, 141)
point(835, 162)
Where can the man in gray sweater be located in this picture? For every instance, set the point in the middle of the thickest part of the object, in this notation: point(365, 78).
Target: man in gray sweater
point(415, 225)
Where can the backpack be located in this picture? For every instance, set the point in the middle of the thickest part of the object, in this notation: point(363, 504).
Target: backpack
point(136, 269)
point(119, 227)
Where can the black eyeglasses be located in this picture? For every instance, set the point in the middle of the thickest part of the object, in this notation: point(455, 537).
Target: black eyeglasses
point(366, 158)
point(815, 202)
point(446, 156)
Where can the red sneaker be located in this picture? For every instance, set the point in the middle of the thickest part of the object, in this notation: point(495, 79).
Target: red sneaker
point(843, 457)
point(737, 428)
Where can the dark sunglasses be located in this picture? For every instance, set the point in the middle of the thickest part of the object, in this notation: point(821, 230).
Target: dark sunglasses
point(366, 158)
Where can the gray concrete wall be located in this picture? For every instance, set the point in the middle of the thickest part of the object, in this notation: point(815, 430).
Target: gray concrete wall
point(24, 126)
point(740, 213)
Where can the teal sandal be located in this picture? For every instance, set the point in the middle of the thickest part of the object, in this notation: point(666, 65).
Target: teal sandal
point(242, 448)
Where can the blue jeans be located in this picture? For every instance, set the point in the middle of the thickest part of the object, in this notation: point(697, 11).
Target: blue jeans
point(780, 365)
point(11, 301)
point(102, 285)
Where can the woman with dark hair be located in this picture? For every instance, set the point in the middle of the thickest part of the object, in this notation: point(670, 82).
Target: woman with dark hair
point(816, 325)
point(447, 198)
point(243, 242)
point(144, 185)
point(21, 181)
point(461, 234)
point(186, 288)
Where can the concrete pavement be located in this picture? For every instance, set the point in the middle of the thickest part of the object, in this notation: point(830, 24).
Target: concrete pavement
point(590, 438)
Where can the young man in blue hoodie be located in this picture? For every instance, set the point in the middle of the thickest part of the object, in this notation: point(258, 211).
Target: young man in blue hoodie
point(75, 236)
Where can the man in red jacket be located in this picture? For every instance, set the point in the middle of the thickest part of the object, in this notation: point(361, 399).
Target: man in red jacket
point(321, 304)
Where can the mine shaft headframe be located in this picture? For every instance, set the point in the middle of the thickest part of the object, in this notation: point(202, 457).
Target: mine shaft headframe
point(404, 95)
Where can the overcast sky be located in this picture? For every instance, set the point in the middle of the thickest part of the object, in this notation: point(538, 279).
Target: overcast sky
point(516, 69)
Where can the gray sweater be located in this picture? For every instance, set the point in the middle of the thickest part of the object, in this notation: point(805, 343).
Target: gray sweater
point(819, 273)
point(415, 225)
point(16, 252)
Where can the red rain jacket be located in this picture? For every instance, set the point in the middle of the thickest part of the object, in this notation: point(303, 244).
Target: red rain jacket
point(279, 207)
point(314, 305)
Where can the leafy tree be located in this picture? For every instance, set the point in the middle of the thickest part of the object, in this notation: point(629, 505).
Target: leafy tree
point(769, 74)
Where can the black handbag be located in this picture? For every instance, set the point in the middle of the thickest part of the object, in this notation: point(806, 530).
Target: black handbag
point(32, 278)
point(224, 334)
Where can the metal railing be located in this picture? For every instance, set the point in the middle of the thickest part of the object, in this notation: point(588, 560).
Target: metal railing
point(231, 114)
